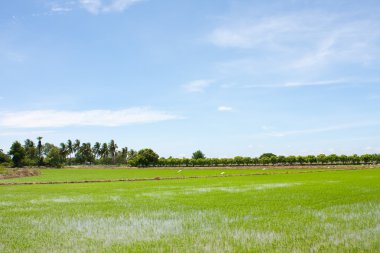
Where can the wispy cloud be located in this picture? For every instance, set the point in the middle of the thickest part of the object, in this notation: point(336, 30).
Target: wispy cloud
point(25, 133)
point(60, 9)
point(224, 108)
point(311, 38)
point(300, 84)
point(321, 129)
point(98, 6)
point(106, 118)
point(197, 85)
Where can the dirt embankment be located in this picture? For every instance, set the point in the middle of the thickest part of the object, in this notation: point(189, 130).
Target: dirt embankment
point(16, 173)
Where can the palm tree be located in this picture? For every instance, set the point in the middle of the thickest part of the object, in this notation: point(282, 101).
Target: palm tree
point(104, 150)
point(63, 151)
point(70, 149)
point(96, 149)
point(76, 146)
point(112, 149)
point(131, 153)
point(39, 150)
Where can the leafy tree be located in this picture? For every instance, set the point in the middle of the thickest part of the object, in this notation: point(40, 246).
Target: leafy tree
point(4, 158)
point(332, 158)
point(265, 160)
point(321, 158)
point(300, 159)
point(343, 159)
point(355, 159)
point(46, 148)
point(54, 157)
point(291, 159)
point(131, 154)
point(311, 159)
point(17, 153)
point(144, 158)
point(31, 157)
point(268, 155)
point(281, 159)
point(366, 158)
point(198, 155)
point(238, 160)
point(273, 160)
point(84, 154)
point(121, 156)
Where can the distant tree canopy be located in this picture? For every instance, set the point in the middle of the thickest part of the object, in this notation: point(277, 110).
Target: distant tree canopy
point(198, 155)
point(267, 155)
point(17, 152)
point(78, 153)
point(4, 158)
point(144, 158)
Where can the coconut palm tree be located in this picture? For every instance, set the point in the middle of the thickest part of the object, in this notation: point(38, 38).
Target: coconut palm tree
point(39, 151)
point(104, 150)
point(70, 149)
point(96, 149)
point(112, 146)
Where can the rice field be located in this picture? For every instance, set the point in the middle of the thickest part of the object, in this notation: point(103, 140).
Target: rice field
point(331, 211)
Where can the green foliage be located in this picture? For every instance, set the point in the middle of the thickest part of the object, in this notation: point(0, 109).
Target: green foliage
point(198, 155)
point(17, 152)
point(39, 151)
point(84, 154)
point(4, 158)
point(144, 158)
point(54, 158)
point(109, 154)
point(267, 155)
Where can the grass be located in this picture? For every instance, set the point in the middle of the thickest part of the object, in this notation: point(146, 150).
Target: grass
point(62, 175)
point(334, 211)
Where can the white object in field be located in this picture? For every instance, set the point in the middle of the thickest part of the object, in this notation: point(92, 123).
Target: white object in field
point(222, 173)
point(179, 171)
point(264, 168)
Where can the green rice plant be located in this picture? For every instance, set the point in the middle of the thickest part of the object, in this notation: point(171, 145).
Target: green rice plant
point(333, 211)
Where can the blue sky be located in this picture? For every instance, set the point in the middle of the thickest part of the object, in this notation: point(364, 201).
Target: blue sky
point(227, 77)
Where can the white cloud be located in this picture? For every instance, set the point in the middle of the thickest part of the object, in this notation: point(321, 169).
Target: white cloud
point(224, 108)
point(314, 83)
point(300, 84)
point(311, 38)
point(253, 33)
point(107, 118)
point(98, 6)
point(197, 85)
point(60, 9)
point(25, 133)
point(93, 6)
point(322, 129)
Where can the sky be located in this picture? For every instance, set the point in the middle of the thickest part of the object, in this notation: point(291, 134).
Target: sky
point(227, 77)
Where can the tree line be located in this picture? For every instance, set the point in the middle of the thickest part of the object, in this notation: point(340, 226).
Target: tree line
point(76, 153)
